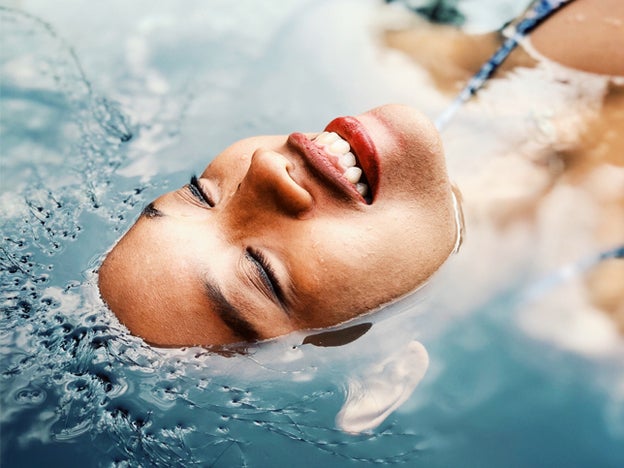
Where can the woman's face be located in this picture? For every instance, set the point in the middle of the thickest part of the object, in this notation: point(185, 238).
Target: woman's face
point(275, 236)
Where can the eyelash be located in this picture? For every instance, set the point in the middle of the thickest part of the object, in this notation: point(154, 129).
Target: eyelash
point(266, 271)
point(198, 192)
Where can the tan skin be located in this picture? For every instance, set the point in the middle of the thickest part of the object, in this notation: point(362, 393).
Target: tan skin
point(585, 35)
point(191, 274)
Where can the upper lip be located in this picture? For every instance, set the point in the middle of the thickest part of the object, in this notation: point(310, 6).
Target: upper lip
point(351, 130)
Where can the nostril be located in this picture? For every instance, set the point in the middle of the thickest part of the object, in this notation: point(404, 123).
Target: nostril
point(274, 174)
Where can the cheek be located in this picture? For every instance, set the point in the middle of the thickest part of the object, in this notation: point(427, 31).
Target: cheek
point(379, 258)
point(339, 276)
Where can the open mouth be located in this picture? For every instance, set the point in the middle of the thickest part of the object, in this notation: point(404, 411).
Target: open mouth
point(344, 155)
point(361, 145)
point(338, 151)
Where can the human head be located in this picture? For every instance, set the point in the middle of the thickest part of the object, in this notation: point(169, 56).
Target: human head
point(273, 238)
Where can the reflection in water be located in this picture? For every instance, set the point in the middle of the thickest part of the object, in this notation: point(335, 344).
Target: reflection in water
point(94, 118)
point(385, 386)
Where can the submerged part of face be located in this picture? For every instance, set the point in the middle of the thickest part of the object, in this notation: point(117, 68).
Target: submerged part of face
point(276, 236)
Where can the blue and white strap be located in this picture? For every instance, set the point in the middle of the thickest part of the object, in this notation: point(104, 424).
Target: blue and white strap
point(532, 18)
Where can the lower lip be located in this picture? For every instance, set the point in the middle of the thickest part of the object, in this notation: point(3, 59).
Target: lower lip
point(352, 130)
point(322, 166)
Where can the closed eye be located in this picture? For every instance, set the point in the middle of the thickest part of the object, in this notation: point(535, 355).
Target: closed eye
point(266, 273)
point(198, 192)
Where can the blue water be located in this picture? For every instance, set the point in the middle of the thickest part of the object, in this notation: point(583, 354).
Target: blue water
point(104, 106)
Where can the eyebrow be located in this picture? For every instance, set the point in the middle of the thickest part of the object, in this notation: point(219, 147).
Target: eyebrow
point(231, 315)
point(150, 211)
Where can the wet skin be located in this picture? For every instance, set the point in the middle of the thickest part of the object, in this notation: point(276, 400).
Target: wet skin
point(270, 239)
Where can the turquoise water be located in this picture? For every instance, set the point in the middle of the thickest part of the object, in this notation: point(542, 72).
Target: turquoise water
point(105, 106)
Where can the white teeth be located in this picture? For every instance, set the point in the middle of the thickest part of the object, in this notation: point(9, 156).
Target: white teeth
point(332, 143)
point(339, 147)
point(327, 138)
point(353, 174)
point(362, 188)
point(336, 146)
point(347, 160)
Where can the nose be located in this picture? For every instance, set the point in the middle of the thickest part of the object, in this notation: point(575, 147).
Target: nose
point(268, 184)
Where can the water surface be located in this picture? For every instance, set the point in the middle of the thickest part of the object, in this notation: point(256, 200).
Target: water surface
point(105, 106)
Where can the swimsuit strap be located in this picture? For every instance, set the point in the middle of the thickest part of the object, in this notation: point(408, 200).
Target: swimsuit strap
point(541, 10)
point(569, 271)
point(534, 16)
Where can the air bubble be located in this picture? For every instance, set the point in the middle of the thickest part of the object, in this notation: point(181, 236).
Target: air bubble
point(30, 396)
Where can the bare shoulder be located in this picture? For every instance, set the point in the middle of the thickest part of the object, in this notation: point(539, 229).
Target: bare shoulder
point(587, 35)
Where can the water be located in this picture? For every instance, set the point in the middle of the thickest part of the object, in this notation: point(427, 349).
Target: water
point(94, 125)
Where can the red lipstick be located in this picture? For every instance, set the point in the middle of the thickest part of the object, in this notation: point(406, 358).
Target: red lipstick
point(319, 162)
point(352, 130)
